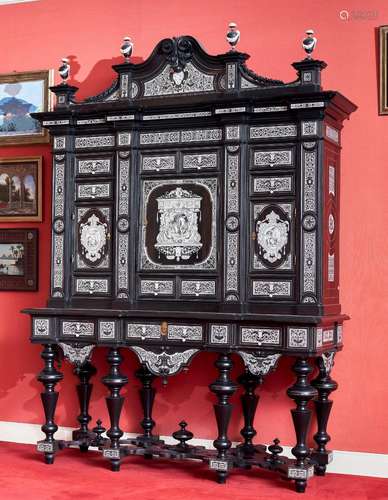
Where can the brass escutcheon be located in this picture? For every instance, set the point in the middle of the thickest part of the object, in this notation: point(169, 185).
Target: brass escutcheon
point(164, 327)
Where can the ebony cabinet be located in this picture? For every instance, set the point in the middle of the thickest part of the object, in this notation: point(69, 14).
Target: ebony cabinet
point(196, 207)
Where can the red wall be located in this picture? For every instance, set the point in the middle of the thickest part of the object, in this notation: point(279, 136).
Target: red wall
point(36, 35)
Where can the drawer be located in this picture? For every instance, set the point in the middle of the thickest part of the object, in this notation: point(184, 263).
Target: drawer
point(190, 333)
point(156, 163)
point(99, 287)
point(164, 288)
point(198, 288)
point(200, 161)
point(272, 184)
point(272, 289)
point(272, 158)
point(95, 191)
point(284, 131)
point(143, 331)
point(107, 330)
point(77, 329)
point(93, 166)
point(258, 336)
point(41, 327)
point(94, 141)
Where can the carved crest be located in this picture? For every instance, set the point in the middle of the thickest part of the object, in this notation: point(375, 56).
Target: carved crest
point(93, 232)
point(179, 212)
point(178, 52)
point(272, 231)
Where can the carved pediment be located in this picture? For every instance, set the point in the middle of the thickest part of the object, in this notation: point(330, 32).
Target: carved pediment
point(179, 66)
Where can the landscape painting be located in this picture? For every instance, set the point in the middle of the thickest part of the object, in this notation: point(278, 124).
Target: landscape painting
point(19, 259)
point(20, 95)
point(20, 189)
point(12, 259)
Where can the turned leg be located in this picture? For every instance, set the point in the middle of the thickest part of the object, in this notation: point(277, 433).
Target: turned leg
point(84, 391)
point(223, 388)
point(301, 392)
point(49, 377)
point(249, 401)
point(114, 381)
point(147, 396)
point(325, 385)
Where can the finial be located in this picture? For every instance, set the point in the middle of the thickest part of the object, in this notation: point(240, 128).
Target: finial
point(127, 48)
point(64, 70)
point(233, 35)
point(182, 436)
point(309, 43)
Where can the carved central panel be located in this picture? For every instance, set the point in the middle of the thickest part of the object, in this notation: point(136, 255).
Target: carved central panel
point(272, 232)
point(179, 224)
point(93, 236)
point(179, 81)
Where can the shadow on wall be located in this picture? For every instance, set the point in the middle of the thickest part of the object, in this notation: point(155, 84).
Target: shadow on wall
point(101, 72)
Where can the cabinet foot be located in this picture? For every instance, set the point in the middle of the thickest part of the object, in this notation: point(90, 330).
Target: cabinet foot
point(301, 392)
point(114, 381)
point(223, 388)
point(49, 377)
point(325, 385)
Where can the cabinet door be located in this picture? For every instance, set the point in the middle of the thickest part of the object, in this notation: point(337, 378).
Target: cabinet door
point(178, 225)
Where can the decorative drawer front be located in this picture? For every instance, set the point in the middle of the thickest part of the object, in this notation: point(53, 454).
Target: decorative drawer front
point(94, 191)
point(92, 286)
point(41, 327)
point(157, 287)
point(273, 158)
point(280, 184)
point(297, 338)
point(203, 161)
point(97, 141)
point(78, 329)
point(268, 289)
point(94, 166)
point(144, 331)
point(220, 334)
point(198, 288)
point(190, 333)
point(157, 163)
point(273, 132)
point(107, 330)
point(261, 336)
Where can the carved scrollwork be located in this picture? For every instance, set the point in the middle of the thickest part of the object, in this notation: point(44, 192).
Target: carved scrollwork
point(162, 363)
point(259, 365)
point(178, 52)
point(78, 355)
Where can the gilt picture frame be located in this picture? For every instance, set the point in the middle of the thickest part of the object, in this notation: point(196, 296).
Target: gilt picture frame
point(21, 189)
point(22, 93)
point(18, 259)
point(383, 68)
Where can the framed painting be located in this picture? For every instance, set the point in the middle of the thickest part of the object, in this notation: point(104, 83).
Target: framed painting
point(20, 95)
point(383, 97)
point(18, 259)
point(21, 189)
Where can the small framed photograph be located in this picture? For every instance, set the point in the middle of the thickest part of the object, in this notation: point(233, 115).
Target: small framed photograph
point(22, 94)
point(383, 96)
point(21, 189)
point(18, 259)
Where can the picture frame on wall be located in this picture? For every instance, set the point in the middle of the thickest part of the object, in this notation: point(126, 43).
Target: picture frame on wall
point(383, 68)
point(21, 189)
point(19, 259)
point(22, 93)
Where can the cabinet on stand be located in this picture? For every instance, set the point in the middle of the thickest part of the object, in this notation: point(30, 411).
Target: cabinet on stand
point(196, 208)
